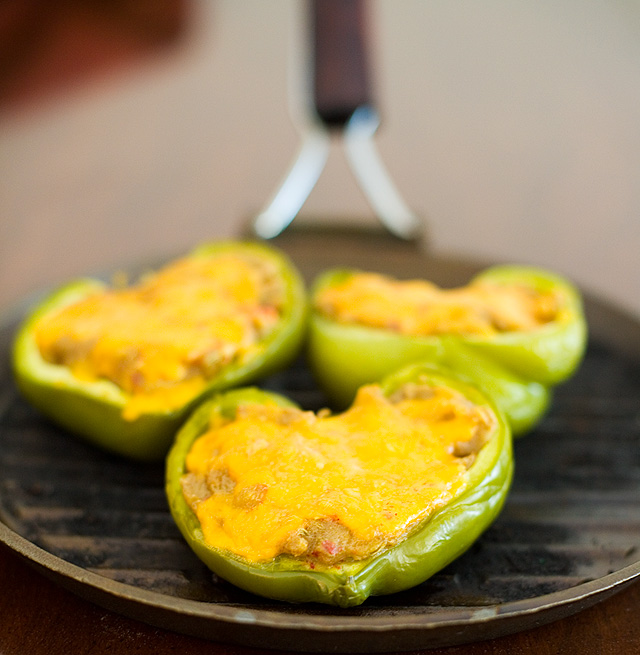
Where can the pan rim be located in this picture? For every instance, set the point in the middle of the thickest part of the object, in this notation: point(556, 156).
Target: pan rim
point(68, 572)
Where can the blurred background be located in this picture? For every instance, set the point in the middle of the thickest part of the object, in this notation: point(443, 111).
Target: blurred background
point(134, 129)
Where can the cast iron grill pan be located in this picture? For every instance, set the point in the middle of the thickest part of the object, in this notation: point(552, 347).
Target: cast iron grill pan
point(568, 537)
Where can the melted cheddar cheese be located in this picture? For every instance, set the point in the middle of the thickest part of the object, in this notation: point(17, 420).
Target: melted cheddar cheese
point(418, 307)
point(332, 488)
point(162, 339)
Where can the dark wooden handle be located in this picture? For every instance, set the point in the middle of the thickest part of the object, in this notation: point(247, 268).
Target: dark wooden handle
point(341, 75)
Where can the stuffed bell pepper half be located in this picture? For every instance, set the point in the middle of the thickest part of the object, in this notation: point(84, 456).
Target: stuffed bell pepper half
point(123, 366)
point(514, 331)
point(305, 506)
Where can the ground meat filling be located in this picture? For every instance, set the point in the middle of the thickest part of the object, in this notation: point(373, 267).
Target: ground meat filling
point(418, 307)
point(329, 489)
point(165, 337)
point(329, 542)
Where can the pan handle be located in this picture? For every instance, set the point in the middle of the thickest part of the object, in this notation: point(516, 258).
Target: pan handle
point(341, 72)
point(342, 99)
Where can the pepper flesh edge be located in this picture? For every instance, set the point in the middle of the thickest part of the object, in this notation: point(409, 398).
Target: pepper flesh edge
point(93, 409)
point(444, 536)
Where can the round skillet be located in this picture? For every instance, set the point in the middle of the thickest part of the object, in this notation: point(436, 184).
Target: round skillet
point(569, 535)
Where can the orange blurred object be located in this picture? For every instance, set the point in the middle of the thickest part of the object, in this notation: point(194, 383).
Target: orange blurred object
point(49, 47)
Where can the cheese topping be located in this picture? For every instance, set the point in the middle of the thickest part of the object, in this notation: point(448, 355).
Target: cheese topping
point(163, 339)
point(418, 307)
point(332, 488)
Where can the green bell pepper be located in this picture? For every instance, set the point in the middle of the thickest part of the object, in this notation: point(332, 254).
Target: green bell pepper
point(435, 542)
point(93, 409)
point(517, 369)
